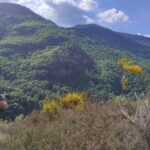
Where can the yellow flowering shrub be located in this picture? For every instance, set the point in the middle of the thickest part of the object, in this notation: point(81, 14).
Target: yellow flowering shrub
point(128, 67)
point(124, 83)
point(74, 101)
point(124, 62)
point(51, 107)
point(135, 69)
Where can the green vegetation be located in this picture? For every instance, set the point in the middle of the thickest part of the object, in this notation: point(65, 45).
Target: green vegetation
point(39, 59)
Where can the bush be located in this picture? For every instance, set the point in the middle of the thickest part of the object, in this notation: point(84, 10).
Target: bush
point(73, 101)
point(101, 127)
point(51, 107)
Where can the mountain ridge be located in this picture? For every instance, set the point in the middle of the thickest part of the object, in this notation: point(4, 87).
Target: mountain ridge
point(96, 30)
point(5, 6)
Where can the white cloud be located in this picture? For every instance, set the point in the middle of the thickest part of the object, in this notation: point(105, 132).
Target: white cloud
point(113, 15)
point(88, 19)
point(62, 12)
point(145, 35)
point(38, 6)
point(57, 2)
point(87, 5)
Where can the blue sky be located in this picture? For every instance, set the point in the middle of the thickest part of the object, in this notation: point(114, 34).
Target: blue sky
point(131, 16)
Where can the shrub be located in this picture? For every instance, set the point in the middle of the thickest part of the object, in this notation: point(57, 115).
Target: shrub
point(51, 107)
point(141, 118)
point(124, 82)
point(101, 127)
point(127, 66)
point(73, 100)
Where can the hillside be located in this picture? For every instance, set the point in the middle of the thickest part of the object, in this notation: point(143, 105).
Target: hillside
point(39, 59)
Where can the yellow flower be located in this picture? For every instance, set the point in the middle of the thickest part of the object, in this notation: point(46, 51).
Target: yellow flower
point(124, 83)
point(51, 107)
point(73, 100)
point(124, 62)
point(128, 66)
point(135, 69)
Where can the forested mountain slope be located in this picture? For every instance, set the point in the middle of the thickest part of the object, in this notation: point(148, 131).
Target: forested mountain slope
point(38, 59)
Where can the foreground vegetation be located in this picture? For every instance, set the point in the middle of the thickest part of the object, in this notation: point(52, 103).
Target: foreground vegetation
point(101, 126)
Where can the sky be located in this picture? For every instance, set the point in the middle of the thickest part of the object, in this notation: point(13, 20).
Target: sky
point(130, 16)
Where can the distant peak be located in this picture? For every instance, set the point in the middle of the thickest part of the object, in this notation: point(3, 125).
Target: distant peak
point(83, 25)
point(13, 9)
point(92, 26)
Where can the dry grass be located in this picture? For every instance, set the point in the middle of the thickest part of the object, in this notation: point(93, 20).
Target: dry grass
point(100, 127)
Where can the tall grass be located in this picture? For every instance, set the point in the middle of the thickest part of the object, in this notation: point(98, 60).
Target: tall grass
point(101, 126)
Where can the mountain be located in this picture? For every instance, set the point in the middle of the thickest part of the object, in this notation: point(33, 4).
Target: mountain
point(140, 39)
point(116, 40)
point(41, 60)
point(13, 13)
